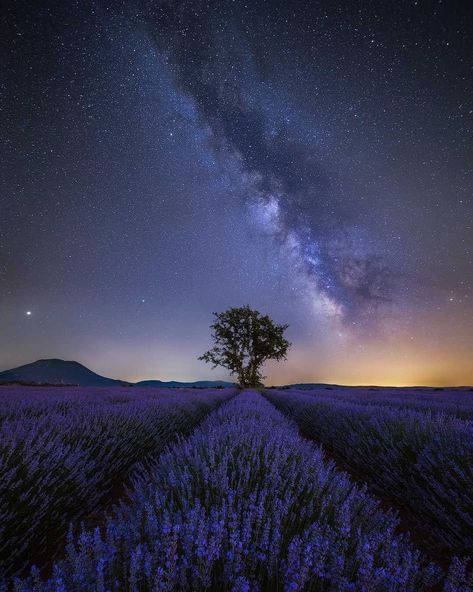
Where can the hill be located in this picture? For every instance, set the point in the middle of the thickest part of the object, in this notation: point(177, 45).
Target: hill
point(55, 371)
point(65, 372)
point(177, 384)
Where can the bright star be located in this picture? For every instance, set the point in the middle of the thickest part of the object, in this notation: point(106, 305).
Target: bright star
point(28, 313)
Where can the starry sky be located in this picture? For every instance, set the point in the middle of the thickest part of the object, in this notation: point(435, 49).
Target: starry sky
point(164, 160)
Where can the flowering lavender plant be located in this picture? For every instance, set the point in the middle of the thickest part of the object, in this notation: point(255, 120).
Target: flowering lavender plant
point(449, 401)
point(419, 459)
point(243, 504)
point(64, 451)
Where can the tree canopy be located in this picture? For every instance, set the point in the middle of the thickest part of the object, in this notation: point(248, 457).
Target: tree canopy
point(243, 340)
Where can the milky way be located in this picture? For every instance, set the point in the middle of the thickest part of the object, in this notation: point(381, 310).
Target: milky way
point(214, 63)
point(168, 159)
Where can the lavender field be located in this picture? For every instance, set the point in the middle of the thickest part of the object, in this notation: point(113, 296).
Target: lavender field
point(127, 489)
point(65, 453)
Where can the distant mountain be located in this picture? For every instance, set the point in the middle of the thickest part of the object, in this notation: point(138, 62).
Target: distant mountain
point(307, 386)
point(177, 384)
point(56, 371)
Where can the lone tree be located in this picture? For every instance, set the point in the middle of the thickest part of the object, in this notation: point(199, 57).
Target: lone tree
point(244, 339)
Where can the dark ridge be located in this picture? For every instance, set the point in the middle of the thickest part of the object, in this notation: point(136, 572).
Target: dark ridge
point(56, 372)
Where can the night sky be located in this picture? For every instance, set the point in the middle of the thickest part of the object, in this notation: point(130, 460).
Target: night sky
point(163, 160)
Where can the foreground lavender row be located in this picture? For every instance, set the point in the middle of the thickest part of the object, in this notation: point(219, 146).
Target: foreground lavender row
point(422, 461)
point(62, 451)
point(244, 504)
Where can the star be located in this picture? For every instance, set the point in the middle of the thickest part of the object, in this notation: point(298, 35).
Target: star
point(228, 162)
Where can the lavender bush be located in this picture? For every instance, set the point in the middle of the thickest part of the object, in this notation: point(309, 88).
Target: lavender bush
point(453, 401)
point(62, 451)
point(422, 460)
point(243, 504)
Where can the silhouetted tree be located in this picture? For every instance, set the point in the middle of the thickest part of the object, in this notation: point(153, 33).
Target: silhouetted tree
point(244, 339)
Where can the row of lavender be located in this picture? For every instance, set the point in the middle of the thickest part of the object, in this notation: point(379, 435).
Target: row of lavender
point(450, 401)
point(64, 451)
point(244, 504)
point(419, 460)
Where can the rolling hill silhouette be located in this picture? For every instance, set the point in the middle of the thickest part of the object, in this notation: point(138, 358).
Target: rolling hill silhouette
point(68, 372)
point(55, 371)
point(177, 384)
